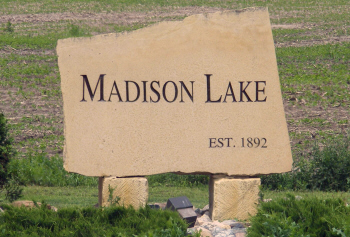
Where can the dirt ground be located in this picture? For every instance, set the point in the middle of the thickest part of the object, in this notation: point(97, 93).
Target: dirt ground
point(16, 107)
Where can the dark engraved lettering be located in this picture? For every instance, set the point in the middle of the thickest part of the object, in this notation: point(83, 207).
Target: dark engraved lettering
point(212, 142)
point(244, 92)
point(229, 87)
point(127, 91)
point(208, 91)
point(92, 95)
point(228, 141)
point(183, 86)
point(144, 91)
point(257, 91)
point(117, 92)
point(133, 91)
point(155, 92)
point(164, 91)
point(221, 143)
point(255, 142)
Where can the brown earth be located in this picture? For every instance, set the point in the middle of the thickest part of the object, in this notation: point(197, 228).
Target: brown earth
point(16, 106)
point(116, 17)
point(302, 43)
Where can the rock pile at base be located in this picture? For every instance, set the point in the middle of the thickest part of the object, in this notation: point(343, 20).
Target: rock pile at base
point(227, 228)
point(209, 228)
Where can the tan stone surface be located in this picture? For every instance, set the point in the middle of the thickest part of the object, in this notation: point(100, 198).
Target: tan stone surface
point(233, 198)
point(240, 235)
point(132, 191)
point(118, 138)
point(203, 219)
point(204, 232)
point(221, 225)
point(30, 204)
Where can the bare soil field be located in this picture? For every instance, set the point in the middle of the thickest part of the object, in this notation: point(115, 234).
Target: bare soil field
point(30, 86)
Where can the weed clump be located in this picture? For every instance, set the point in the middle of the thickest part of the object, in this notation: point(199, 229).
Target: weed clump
point(113, 201)
point(6, 150)
point(8, 182)
point(300, 218)
point(111, 221)
point(39, 169)
point(9, 27)
point(324, 169)
point(76, 31)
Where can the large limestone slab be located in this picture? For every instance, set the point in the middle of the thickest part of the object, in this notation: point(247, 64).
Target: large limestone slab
point(233, 198)
point(200, 95)
point(131, 191)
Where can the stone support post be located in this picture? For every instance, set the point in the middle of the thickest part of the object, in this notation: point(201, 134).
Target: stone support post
point(233, 198)
point(131, 191)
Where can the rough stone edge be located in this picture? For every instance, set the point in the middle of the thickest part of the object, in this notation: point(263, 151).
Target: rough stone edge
point(206, 15)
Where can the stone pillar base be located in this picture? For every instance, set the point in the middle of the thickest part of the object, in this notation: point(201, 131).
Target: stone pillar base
point(131, 191)
point(232, 198)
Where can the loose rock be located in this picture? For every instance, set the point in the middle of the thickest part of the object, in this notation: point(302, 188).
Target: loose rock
point(209, 228)
point(31, 204)
point(205, 218)
point(204, 232)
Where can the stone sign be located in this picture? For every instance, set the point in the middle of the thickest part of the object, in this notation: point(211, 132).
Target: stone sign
point(200, 95)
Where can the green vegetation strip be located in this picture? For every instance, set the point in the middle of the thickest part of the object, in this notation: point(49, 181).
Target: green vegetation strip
point(311, 76)
point(114, 221)
point(87, 196)
point(312, 217)
point(324, 168)
point(318, 74)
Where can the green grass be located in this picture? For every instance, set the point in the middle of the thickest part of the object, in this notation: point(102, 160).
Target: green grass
point(325, 167)
point(84, 196)
point(114, 221)
point(29, 71)
point(302, 70)
point(62, 197)
point(318, 74)
point(311, 77)
point(311, 217)
point(199, 196)
point(307, 194)
point(87, 196)
point(39, 169)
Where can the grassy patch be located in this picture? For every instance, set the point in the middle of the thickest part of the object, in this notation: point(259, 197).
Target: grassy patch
point(18, 41)
point(115, 221)
point(306, 217)
point(311, 77)
point(29, 71)
point(178, 180)
point(63, 197)
point(199, 196)
point(87, 196)
point(307, 194)
point(317, 75)
point(38, 169)
point(325, 168)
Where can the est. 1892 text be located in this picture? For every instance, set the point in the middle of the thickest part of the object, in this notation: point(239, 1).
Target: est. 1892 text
point(244, 142)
